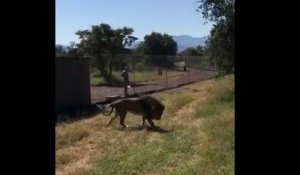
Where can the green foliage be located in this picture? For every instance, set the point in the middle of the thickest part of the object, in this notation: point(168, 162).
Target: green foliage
point(220, 45)
point(102, 39)
point(140, 66)
point(217, 10)
point(140, 49)
point(159, 44)
point(69, 51)
point(60, 51)
point(191, 51)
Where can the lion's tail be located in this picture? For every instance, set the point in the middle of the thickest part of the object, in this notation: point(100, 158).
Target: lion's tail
point(104, 112)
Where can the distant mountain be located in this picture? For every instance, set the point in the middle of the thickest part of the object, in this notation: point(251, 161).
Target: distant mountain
point(185, 41)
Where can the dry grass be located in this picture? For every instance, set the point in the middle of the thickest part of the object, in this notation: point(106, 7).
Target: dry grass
point(197, 137)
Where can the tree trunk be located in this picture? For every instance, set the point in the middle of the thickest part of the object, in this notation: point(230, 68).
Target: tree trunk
point(101, 67)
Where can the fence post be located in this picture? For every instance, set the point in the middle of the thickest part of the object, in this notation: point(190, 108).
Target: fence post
point(133, 68)
point(187, 64)
point(166, 77)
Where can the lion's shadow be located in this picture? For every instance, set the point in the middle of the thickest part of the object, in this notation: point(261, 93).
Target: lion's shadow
point(148, 129)
point(158, 129)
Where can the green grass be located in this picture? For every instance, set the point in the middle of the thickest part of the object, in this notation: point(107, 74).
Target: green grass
point(222, 98)
point(64, 157)
point(96, 78)
point(69, 134)
point(178, 100)
point(148, 157)
point(200, 141)
point(218, 112)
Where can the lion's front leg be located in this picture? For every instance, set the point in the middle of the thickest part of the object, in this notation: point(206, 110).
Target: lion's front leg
point(151, 123)
point(112, 119)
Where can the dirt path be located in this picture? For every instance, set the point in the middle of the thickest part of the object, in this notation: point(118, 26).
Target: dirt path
point(98, 93)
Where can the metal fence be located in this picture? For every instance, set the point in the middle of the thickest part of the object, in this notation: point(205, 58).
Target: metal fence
point(146, 73)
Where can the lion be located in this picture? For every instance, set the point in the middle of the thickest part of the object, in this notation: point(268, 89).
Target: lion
point(147, 106)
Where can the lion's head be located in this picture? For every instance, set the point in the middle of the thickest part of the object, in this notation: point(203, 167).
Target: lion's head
point(157, 107)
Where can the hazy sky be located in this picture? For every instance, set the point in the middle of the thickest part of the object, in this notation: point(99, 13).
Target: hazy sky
point(174, 17)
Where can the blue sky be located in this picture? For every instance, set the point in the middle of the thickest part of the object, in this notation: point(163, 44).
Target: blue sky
point(174, 17)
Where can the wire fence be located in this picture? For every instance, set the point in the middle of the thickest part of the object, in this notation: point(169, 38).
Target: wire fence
point(146, 73)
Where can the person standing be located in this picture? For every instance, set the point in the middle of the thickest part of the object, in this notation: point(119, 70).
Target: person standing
point(125, 75)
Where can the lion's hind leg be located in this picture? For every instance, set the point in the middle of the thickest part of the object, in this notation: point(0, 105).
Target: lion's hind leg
point(122, 119)
point(144, 119)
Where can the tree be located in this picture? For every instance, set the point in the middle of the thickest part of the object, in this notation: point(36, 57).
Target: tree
point(191, 51)
point(72, 49)
point(220, 45)
point(139, 49)
point(116, 41)
point(60, 50)
point(200, 50)
point(157, 44)
point(103, 39)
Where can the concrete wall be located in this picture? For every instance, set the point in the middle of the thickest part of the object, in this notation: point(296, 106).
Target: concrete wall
point(72, 83)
